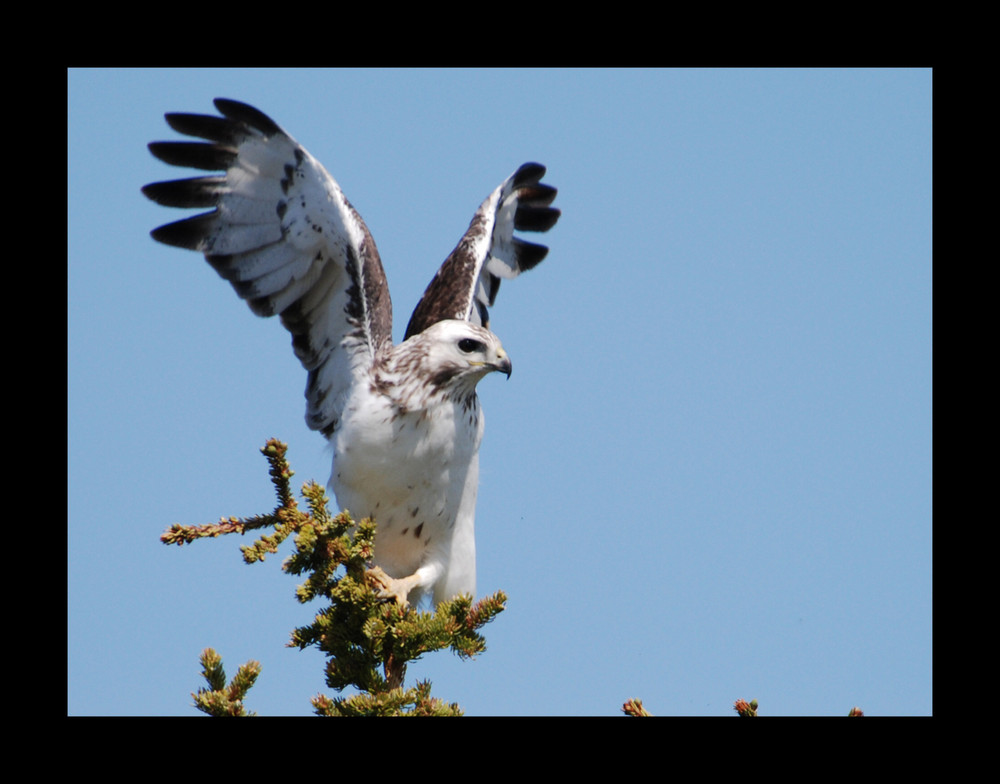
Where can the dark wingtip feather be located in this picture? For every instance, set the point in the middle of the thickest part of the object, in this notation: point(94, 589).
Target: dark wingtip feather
point(244, 113)
point(204, 126)
point(189, 233)
point(529, 254)
point(194, 155)
point(537, 194)
point(528, 173)
point(195, 192)
point(536, 218)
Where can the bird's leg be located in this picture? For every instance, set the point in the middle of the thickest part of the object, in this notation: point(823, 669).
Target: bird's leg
point(392, 587)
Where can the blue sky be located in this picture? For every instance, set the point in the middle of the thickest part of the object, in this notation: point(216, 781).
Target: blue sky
point(709, 476)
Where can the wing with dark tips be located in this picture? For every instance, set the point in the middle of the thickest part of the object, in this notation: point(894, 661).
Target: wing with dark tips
point(282, 233)
point(466, 285)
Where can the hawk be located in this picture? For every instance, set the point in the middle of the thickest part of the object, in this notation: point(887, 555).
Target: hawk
point(404, 420)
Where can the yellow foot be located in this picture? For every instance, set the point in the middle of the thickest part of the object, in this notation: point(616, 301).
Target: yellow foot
point(392, 587)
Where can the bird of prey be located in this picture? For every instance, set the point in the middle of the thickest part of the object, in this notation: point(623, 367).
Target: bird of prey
point(404, 420)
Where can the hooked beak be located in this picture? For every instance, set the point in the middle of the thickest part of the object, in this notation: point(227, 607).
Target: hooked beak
point(503, 363)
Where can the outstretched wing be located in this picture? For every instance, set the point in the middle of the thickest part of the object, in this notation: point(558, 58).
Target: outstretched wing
point(468, 281)
point(283, 234)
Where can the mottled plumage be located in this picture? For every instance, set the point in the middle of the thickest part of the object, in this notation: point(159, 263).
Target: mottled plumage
point(404, 420)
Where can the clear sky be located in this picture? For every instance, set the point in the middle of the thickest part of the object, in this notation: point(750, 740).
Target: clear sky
point(709, 476)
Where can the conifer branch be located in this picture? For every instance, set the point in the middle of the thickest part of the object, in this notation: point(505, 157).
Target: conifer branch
point(633, 707)
point(220, 698)
point(368, 640)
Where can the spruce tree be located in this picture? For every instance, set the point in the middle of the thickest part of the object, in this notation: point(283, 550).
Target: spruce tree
point(368, 640)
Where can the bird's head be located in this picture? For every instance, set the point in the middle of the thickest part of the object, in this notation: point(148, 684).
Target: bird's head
point(459, 353)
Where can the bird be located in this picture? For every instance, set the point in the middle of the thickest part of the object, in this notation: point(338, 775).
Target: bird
point(404, 420)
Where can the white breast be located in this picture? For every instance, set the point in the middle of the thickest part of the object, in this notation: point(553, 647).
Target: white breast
point(416, 473)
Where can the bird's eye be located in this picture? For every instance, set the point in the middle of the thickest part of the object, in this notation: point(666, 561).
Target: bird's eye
point(468, 345)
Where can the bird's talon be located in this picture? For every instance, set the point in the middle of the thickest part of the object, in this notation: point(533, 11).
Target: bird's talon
point(389, 587)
